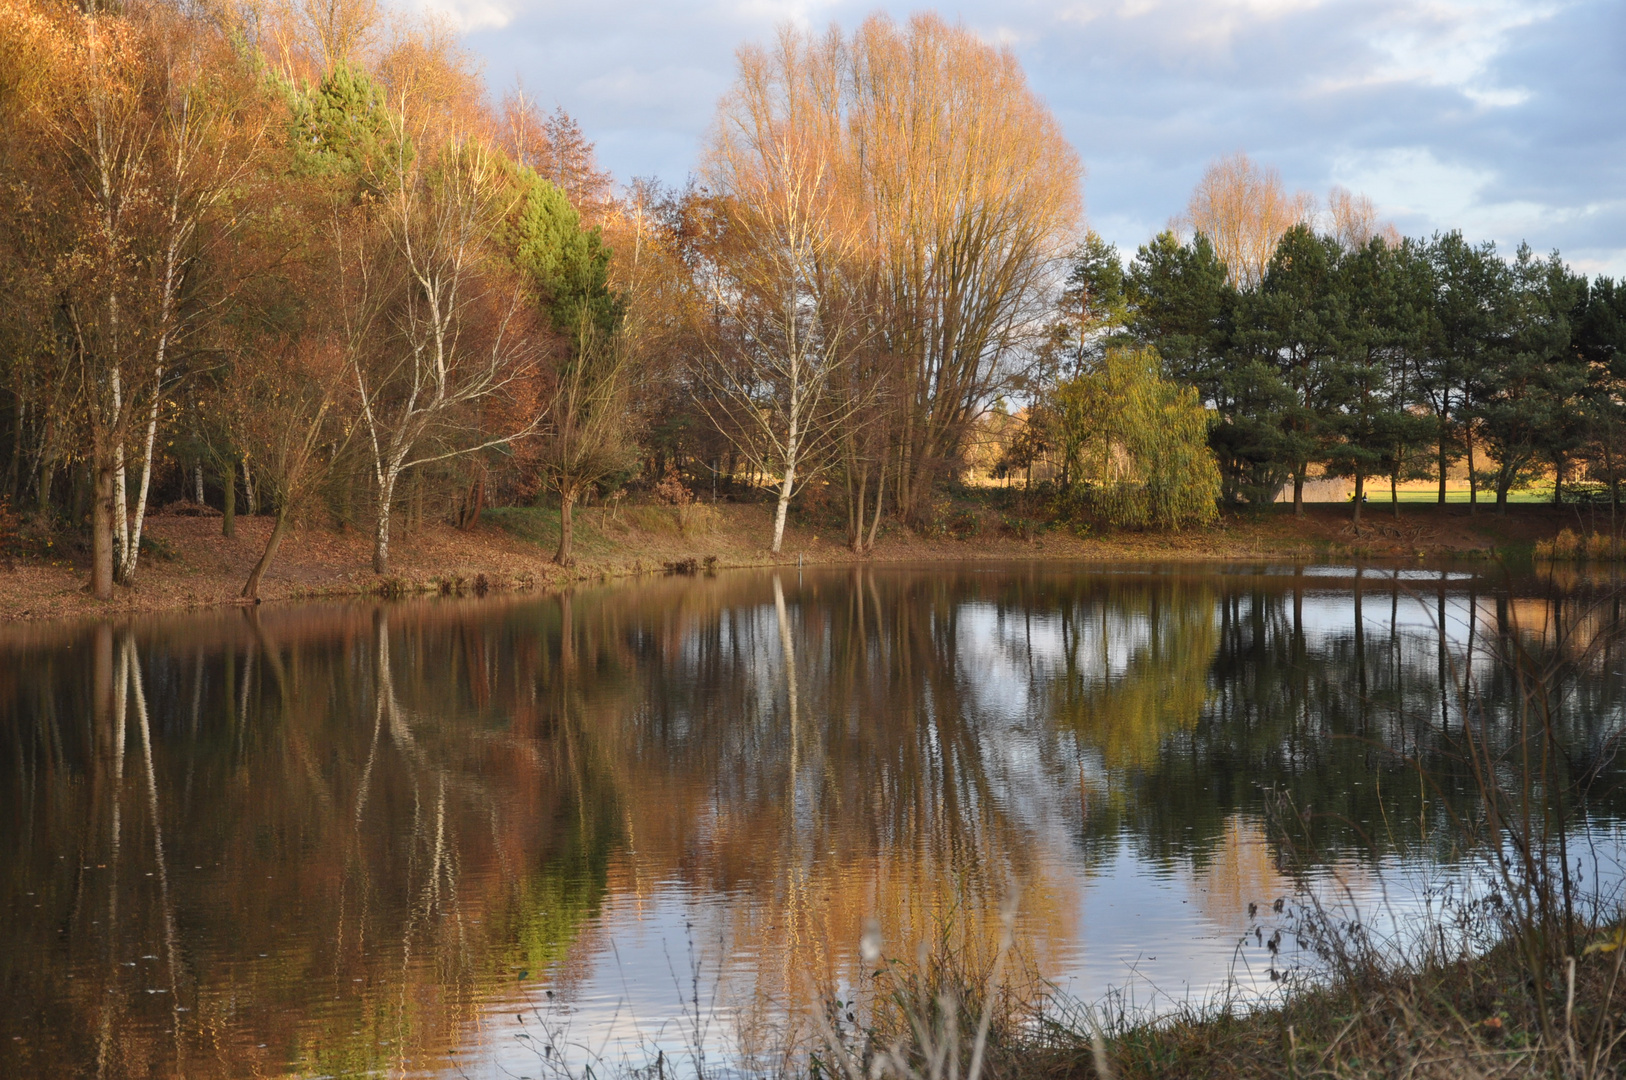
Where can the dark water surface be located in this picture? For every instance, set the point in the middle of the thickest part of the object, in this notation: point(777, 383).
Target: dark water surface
point(425, 838)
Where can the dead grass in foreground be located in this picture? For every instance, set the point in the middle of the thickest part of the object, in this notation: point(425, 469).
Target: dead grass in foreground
point(1479, 1018)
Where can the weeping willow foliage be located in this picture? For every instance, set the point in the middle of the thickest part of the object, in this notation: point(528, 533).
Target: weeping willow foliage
point(1136, 443)
point(1136, 670)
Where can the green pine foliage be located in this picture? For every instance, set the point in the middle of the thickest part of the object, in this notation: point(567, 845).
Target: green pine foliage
point(340, 128)
point(567, 265)
point(1386, 362)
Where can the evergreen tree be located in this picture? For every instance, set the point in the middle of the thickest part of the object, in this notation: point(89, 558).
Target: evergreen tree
point(1180, 303)
point(1296, 323)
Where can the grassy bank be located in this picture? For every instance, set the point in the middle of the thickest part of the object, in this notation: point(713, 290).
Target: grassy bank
point(187, 563)
point(1479, 1017)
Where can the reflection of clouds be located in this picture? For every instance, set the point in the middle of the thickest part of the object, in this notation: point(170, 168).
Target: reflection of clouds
point(651, 824)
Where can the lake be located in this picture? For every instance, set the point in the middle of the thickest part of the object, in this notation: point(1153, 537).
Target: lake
point(510, 836)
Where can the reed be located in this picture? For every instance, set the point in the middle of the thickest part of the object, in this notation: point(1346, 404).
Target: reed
point(1568, 546)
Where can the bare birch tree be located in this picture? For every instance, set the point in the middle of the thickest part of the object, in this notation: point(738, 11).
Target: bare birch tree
point(152, 135)
point(1352, 220)
point(206, 144)
point(455, 337)
point(788, 246)
point(103, 130)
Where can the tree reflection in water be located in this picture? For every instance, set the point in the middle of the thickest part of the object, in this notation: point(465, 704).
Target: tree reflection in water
point(347, 838)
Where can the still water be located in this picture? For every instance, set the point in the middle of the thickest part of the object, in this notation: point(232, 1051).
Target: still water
point(471, 838)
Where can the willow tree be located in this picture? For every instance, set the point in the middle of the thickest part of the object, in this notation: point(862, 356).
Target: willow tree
point(972, 198)
point(1138, 443)
point(786, 258)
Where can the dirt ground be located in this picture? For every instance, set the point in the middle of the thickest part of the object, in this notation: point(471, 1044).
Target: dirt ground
point(192, 565)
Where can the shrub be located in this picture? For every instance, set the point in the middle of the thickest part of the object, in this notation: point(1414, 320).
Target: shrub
point(965, 523)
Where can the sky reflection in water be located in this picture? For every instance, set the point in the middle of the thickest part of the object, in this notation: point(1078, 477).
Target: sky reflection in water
point(428, 838)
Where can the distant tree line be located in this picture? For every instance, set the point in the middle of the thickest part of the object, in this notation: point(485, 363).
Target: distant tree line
point(1355, 352)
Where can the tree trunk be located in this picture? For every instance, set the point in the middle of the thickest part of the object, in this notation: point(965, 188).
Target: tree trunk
point(855, 511)
point(1443, 462)
point(251, 588)
point(132, 552)
point(880, 493)
point(248, 488)
point(197, 477)
point(474, 502)
point(1360, 493)
point(1298, 492)
point(14, 466)
point(1394, 493)
point(1473, 474)
point(567, 529)
point(121, 519)
point(1504, 480)
point(101, 527)
point(381, 529)
point(784, 506)
point(228, 501)
point(785, 487)
point(42, 492)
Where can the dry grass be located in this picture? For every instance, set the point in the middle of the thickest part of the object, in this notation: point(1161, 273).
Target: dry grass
point(1569, 546)
point(1467, 1017)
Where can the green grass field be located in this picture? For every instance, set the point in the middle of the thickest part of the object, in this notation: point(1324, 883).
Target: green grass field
point(1460, 495)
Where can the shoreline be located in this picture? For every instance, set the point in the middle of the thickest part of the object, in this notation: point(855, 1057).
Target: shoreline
point(190, 566)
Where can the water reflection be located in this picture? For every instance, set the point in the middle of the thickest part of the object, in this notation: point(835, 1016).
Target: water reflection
point(343, 839)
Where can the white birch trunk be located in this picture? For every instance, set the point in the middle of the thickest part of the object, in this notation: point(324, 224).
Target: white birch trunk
point(121, 519)
point(132, 554)
point(786, 486)
point(381, 531)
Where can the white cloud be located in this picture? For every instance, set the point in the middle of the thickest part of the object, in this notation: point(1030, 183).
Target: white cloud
point(1495, 116)
point(468, 16)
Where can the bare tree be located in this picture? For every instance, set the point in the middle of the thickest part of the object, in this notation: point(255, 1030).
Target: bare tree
point(282, 416)
point(154, 129)
point(103, 130)
point(455, 316)
point(207, 142)
point(788, 246)
point(1243, 209)
point(1352, 220)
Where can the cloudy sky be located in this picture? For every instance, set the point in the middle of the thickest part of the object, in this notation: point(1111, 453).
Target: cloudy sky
point(1503, 118)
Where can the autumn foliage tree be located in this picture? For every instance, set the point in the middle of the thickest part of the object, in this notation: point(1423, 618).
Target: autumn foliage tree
point(903, 192)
